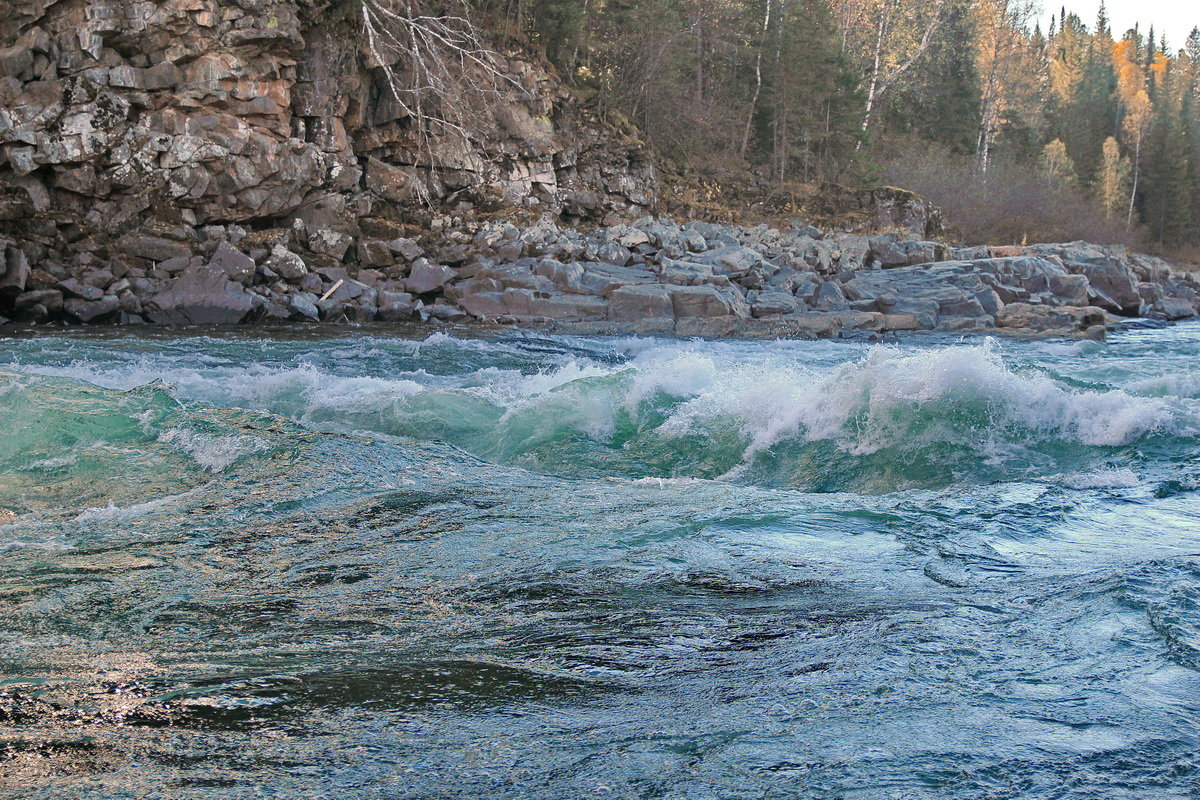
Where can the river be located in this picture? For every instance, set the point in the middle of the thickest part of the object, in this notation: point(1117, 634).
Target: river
point(380, 564)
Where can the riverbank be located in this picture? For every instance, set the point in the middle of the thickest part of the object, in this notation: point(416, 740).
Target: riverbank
point(654, 275)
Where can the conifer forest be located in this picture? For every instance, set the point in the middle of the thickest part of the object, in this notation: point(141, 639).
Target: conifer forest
point(1020, 132)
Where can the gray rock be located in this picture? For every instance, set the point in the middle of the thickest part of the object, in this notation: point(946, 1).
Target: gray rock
point(528, 303)
point(888, 250)
point(684, 273)
point(395, 306)
point(154, 248)
point(50, 299)
point(774, 303)
point(330, 243)
point(76, 288)
point(305, 305)
point(829, 297)
point(14, 269)
point(706, 301)
point(286, 264)
point(1175, 308)
point(200, 296)
point(91, 310)
point(406, 248)
point(638, 302)
point(613, 253)
point(234, 263)
point(484, 305)
point(1113, 282)
point(425, 277)
point(732, 260)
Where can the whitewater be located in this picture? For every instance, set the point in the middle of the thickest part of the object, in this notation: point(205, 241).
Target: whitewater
point(384, 563)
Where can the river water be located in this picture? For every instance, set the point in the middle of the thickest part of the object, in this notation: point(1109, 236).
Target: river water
point(364, 565)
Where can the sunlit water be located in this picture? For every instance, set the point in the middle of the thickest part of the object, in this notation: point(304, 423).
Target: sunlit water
point(357, 565)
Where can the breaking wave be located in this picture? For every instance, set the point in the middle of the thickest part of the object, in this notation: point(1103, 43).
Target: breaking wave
point(890, 419)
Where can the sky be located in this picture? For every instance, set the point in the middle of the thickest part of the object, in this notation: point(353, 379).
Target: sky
point(1175, 18)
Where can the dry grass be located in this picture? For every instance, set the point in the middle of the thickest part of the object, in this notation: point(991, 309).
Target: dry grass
point(1012, 204)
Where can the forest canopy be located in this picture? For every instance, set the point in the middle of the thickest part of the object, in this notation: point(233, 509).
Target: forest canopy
point(950, 98)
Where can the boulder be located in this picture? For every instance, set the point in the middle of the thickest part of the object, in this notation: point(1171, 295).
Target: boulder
point(50, 299)
point(200, 296)
point(395, 306)
point(425, 277)
point(633, 303)
point(154, 248)
point(829, 297)
point(91, 310)
point(76, 288)
point(1036, 318)
point(14, 269)
point(304, 305)
point(286, 264)
point(1113, 281)
point(769, 304)
point(234, 263)
point(706, 301)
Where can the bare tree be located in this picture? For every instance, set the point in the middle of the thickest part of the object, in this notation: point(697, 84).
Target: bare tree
point(900, 34)
point(436, 65)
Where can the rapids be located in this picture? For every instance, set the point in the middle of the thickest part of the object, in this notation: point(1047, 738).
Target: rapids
point(376, 565)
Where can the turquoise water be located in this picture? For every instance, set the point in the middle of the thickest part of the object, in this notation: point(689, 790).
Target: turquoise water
point(355, 564)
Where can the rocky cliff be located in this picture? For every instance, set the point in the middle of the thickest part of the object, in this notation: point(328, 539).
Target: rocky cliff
point(136, 133)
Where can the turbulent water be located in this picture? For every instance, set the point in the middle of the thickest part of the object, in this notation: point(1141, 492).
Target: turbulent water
point(357, 565)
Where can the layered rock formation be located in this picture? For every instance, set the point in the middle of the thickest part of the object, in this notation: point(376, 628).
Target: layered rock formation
point(183, 122)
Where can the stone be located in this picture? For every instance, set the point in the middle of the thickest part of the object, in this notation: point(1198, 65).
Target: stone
point(304, 305)
point(1113, 281)
point(286, 264)
point(406, 248)
point(829, 297)
point(50, 299)
point(77, 288)
point(1174, 308)
point(234, 263)
point(91, 310)
point(633, 303)
point(888, 251)
point(484, 304)
point(685, 273)
point(154, 248)
point(613, 253)
point(528, 303)
point(330, 243)
point(397, 184)
point(773, 303)
point(425, 277)
point(1041, 318)
point(395, 306)
point(200, 296)
point(731, 260)
point(706, 301)
point(14, 269)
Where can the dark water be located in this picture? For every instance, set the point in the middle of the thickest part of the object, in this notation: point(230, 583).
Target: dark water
point(370, 567)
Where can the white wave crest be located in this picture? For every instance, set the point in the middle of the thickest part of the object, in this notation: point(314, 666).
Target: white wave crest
point(214, 453)
point(1116, 478)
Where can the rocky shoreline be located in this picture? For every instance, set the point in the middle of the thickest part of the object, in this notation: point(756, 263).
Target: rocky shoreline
point(654, 275)
point(189, 162)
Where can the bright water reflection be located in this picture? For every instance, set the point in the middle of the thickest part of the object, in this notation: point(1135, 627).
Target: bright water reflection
point(367, 566)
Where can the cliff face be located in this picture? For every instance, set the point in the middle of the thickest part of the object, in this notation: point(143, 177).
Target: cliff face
point(116, 114)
